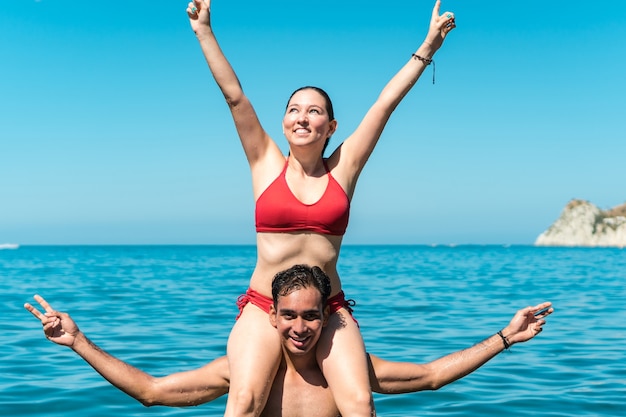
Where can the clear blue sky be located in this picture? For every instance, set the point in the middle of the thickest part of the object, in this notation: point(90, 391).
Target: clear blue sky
point(113, 132)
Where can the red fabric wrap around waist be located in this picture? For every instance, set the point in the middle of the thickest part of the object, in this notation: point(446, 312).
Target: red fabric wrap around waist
point(255, 298)
point(335, 302)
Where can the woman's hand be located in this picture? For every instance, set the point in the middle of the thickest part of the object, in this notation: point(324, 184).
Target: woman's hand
point(199, 12)
point(440, 26)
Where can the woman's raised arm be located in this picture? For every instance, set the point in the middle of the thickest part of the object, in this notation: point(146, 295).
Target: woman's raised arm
point(253, 137)
point(358, 147)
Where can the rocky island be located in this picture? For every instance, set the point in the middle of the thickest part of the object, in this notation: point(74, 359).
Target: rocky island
point(583, 224)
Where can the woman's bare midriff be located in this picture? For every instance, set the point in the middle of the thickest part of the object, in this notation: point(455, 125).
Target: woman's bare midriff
point(279, 251)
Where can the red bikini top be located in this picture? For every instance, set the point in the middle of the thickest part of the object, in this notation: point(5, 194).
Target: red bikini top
point(278, 210)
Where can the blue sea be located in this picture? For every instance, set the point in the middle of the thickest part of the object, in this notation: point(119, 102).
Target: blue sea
point(170, 308)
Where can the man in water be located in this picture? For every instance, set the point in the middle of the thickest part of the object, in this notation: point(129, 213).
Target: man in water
point(298, 313)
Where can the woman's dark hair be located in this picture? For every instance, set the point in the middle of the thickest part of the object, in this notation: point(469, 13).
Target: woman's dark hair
point(329, 105)
point(298, 277)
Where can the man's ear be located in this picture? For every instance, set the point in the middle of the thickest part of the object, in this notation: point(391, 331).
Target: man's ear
point(326, 316)
point(272, 315)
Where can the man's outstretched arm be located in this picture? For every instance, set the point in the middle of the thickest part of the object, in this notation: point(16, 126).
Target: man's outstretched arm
point(180, 389)
point(397, 377)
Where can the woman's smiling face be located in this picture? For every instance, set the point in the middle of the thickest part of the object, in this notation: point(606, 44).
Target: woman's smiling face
point(307, 121)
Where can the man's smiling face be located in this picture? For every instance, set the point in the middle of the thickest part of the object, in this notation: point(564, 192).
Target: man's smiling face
point(299, 318)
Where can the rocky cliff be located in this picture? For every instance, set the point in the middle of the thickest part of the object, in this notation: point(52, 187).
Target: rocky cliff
point(583, 224)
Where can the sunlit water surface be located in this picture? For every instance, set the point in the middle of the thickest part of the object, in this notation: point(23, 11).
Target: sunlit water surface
point(166, 309)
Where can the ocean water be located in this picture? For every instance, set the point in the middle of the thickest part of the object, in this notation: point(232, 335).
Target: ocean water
point(170, 308)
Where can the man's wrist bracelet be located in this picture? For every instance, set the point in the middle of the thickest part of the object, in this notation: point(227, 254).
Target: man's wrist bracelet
point(504, 340)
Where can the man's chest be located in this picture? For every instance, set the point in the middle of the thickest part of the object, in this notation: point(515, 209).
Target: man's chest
point(299, 397)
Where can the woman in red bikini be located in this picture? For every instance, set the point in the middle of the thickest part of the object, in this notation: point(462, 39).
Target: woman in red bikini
point(302, 209)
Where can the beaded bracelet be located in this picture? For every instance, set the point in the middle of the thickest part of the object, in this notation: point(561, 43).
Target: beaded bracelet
point(426, 61)
point(506, 342)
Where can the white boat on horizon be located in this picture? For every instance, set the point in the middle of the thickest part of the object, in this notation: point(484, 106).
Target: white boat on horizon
point(9, 246)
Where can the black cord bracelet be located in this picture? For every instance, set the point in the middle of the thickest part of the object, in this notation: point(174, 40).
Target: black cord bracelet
point(506, 342)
